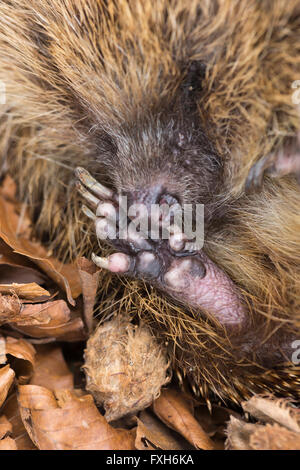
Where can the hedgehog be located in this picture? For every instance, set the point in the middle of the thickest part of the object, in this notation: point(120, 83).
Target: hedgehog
point(168, 101)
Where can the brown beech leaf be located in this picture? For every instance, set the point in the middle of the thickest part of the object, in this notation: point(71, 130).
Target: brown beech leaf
point(174, 409)
point(13, 311)
point(3, 358)
point(89, 277)
point(13, 233)
point(8, 444)
point(51, 370)
point(50, 320)
point(22, 358)
point(152, 434)
point(11, 273)
point(19, 434)
point(239, 433)
point(28, 291)
point(7, 376)
point(5, 427)
point(63, 421)
point(18, 268)
point(273, 410)
point(10, 308)
point(214, 421)
point(274, 437)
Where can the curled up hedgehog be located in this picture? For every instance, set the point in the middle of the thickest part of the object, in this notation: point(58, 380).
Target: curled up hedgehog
point(178, 102)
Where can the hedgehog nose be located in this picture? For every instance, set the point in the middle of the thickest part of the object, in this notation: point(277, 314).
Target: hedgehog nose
point(143, 204)
point(155, 195)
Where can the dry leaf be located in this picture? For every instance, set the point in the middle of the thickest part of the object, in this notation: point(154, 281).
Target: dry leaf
point(20, 354)
point(11, 231)
point(50, 320)
point(23, 358)
point(10, 273)
point(152, 434)
point(8, 444)
point(28, 291)
point(5, 427)
point(248, 436)
point(214, 422)
point(274, 437)
point(51, 370)
point(19, 434)
point(64, 421)
point(239, 433)
point(7, 376)
point(10, 308)
point(174, 410)
point(47, 313)
point(89, 277)
point(272, 410)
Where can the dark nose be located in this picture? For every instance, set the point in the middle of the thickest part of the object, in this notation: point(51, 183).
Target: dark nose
point(147, 197)
point(152, 195)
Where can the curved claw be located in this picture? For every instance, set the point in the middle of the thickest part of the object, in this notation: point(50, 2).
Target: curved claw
point(115, 263)
point(90, 214)
point(90, 198)
point(87, 180)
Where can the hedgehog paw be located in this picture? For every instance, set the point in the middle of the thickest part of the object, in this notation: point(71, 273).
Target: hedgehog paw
point(188, 276)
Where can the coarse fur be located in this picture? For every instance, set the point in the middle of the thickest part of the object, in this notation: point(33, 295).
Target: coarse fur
point(112, 86)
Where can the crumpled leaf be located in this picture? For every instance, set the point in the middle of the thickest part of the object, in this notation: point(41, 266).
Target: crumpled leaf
point(20, 355)
point(50, 320)
point(214, 421)
point(28, 291)
point(6, 442)
point(7, 376)
point(261, 436)
point(63, 421)
point(89, 277)
point(18, 433)
point(15, 231)
point(270, 410)
point(10, 308)
point(51, 370)
point(23, 358)
point(17, 268)
point(239, 433)
point(5, 427)
point(174, 409)
point(152, 434)
point(274, 437)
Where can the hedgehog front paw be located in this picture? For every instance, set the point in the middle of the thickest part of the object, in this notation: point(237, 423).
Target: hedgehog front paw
point(191, 278)
point(275, 165)
point(139, 255)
